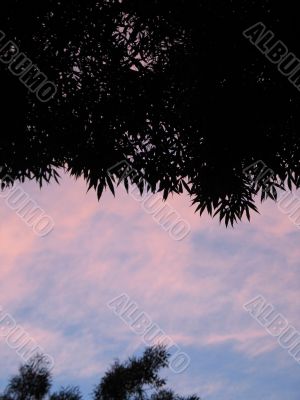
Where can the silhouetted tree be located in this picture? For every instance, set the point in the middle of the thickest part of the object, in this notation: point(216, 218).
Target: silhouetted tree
point(172, 87)
point(136, 379)
point(32, 382)
point(69, 393)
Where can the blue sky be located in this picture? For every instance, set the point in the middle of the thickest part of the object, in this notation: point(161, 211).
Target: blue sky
point(57, 288)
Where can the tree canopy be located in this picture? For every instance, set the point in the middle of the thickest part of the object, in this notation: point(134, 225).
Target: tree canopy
point(135, 379)
point(172, 87)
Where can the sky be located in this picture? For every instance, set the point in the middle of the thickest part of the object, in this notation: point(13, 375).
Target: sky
point(57, 288)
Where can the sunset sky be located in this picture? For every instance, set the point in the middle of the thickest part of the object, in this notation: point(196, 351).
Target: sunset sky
point(58, 287)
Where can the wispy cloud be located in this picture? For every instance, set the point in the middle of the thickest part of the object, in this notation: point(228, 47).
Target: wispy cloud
point(58, 286)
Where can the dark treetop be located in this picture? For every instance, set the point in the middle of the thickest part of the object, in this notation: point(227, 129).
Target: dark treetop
point(135, 379)
point(173, 87)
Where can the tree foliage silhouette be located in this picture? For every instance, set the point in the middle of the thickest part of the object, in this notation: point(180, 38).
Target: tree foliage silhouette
point(135, 379)
point(32, 382)
point(172, 87)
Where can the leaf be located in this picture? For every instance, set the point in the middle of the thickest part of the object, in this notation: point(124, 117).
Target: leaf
point(248, 213)
point(111, 185)
point(100, 190)
point(186, 186)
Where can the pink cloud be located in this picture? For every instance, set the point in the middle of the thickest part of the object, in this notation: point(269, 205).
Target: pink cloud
point(193, 288)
